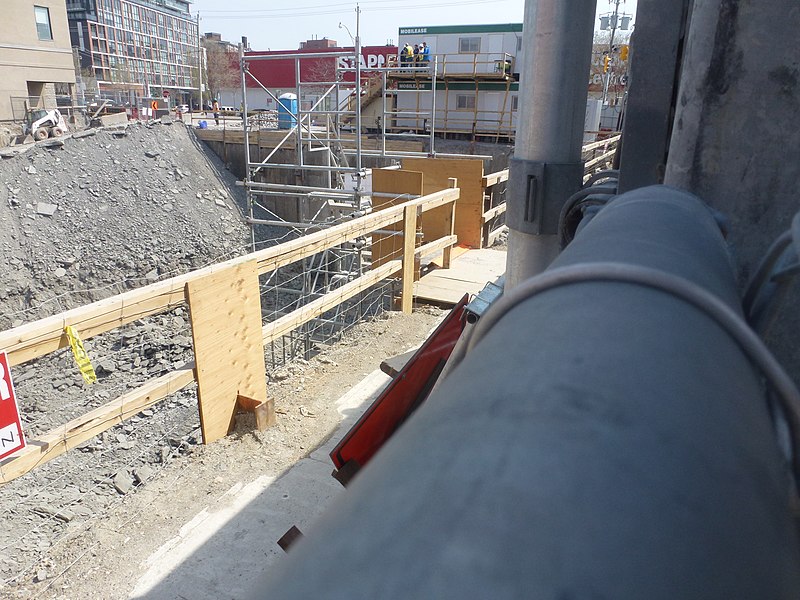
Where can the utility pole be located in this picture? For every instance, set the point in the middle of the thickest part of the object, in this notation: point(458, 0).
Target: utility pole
point(614, 19)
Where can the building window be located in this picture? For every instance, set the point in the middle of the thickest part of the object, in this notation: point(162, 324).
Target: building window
point(43, 22)
point(469, 45)
point(465, 102)
point(514, 103)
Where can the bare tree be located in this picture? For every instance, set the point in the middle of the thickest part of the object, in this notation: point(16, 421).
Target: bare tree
point(222, 68)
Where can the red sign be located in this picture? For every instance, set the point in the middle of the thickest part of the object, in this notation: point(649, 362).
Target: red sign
point(11, 437)
point(280, 73)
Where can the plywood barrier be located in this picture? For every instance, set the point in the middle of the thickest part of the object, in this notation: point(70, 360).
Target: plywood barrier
point(225, 313)
point(437, 173)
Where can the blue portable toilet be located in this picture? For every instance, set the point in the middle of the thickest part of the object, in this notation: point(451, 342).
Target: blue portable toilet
point(287, 111)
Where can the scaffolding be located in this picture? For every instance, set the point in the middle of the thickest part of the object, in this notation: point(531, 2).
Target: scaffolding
point(329, 184)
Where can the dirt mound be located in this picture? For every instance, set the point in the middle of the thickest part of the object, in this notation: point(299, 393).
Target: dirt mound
point(110, 210)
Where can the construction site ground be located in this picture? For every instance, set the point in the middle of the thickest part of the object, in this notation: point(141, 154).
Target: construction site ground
point(106, 211)
point(111, 551)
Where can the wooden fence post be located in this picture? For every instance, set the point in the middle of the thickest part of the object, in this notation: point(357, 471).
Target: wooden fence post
point(451, 226)
point(409, 243)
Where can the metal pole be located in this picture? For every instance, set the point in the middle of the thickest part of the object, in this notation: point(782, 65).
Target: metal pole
point(247, 180)
point(558, 46)
point(358, 107)
point(298, 117)
point(383, 117)
point(432, 149)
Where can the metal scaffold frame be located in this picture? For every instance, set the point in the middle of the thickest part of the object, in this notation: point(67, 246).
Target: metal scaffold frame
point(317, 127)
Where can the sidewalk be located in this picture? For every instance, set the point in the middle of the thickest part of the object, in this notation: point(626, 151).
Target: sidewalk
point(227, 547)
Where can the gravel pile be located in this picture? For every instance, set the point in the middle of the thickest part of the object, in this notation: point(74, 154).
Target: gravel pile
point(109, 210)
point(82, 219)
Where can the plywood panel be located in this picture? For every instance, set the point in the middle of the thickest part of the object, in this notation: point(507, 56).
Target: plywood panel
point(225, 309)
point(469, 207)
point(387, 247)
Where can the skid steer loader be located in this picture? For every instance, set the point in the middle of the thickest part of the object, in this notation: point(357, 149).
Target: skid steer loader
point(42, 123)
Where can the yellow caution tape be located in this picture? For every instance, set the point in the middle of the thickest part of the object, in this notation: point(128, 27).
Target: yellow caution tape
point(81, 357)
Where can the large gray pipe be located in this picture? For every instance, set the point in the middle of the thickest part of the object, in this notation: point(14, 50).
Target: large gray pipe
point(557, 42)
point(603, 440)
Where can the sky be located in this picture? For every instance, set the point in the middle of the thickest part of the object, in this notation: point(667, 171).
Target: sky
point(283, 24)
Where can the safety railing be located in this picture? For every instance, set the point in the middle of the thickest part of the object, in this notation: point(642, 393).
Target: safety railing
point(223, 301)
point(460, 65)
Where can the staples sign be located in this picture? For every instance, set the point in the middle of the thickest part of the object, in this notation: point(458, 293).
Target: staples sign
point(11, 438)
point(367, 62)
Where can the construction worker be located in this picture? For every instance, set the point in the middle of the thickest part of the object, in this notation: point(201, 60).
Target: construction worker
point(425, 53)
point(406, 54)
point(416, 54)
point(215, 109)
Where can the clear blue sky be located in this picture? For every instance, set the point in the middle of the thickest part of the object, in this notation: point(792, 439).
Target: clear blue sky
point(283, 24)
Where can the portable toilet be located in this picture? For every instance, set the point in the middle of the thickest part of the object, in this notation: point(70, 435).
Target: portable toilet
point(287, 111)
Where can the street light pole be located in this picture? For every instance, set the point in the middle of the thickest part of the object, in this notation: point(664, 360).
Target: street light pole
point(200, 62)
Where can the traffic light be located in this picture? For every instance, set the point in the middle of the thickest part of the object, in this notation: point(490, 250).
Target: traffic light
point(606, 61)
point(623, 52)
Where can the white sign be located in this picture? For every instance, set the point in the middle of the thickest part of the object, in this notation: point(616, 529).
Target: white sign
point(370, 61)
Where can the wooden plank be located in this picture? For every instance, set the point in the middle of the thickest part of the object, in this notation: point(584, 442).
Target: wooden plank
point(38, 338)
point(494, 234)
point(591, 164)
point(469, 273)
point(285, 324)
point(75, 432)
point(494, 211)
point(601, 143)
point(386, 247)
point(494, 178)
point(409, 243)
point(444, 292)
point(436, 246)
point(469, 207)
point(41, 337)
point(263, 411)
point(225, 311)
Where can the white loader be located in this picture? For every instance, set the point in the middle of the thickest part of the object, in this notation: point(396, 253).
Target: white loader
point(43, 123)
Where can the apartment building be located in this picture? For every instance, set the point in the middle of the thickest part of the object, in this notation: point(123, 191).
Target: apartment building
point(137, 48)
point(36, 62)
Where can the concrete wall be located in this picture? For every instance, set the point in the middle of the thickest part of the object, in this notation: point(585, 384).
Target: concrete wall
point(25, 58)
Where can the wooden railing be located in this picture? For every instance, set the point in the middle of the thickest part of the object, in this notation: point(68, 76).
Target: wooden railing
point(492, 208)
point(36, 339)
point(598, 155)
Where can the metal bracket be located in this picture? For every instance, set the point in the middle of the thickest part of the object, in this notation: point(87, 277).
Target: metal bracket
point(536, 193)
